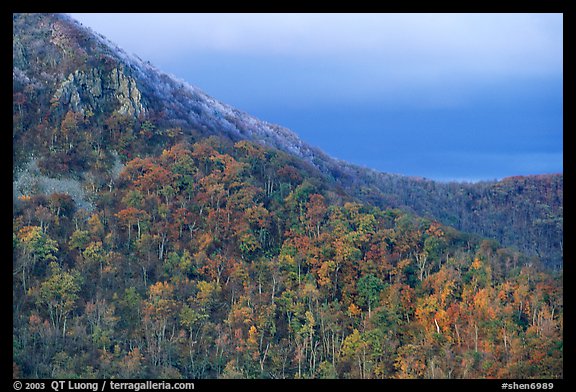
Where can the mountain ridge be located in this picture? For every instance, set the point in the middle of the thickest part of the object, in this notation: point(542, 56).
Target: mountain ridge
point(139, 88)
point(226, 117)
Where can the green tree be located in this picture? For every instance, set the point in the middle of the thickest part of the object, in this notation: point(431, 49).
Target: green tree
point(369, 288)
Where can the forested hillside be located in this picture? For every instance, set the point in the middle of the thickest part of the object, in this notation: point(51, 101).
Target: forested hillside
point(524, 212)
point(207, 261)
point(158, 234)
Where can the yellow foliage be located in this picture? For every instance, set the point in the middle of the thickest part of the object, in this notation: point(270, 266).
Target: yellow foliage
point(354, 310)
point(161, 290)
point(477, 264)
point(481, 299)
point(324, 273)
point(253, 335)
point(447, 291)
point(287, 259)
point(207, 291)
point(29, 233)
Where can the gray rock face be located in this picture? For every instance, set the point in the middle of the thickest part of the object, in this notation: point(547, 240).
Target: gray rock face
point(89, 90)
point(126, 92)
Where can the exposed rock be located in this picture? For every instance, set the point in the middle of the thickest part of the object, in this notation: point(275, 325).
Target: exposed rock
point(91, 89)
point(126, 92)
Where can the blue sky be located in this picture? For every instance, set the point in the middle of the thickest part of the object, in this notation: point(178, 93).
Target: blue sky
point(444, 96)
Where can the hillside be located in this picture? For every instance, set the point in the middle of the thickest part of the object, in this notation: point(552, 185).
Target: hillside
point(523, 212)
point(82, 71)
point(158, 233)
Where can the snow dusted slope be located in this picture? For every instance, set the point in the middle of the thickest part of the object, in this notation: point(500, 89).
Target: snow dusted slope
point(186, 103)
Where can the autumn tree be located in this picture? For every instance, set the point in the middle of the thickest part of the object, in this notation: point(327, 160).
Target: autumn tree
point(58, 295)
point(36, 246)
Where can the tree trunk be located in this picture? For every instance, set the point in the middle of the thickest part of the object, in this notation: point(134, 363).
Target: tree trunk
point(457, 333)
point(475, 337)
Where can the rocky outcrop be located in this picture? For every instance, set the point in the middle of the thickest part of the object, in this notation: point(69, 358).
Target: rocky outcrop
point(94, 88)
point(126, 92)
